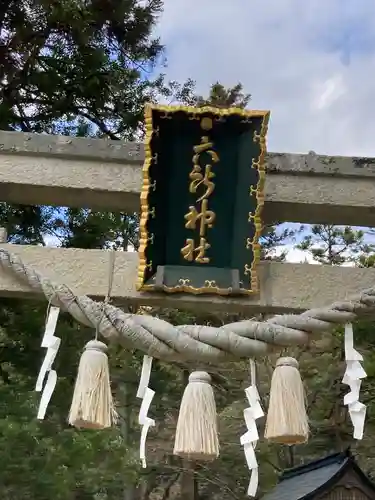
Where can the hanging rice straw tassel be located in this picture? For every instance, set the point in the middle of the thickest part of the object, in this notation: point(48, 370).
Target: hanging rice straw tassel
point(196, 434)
point(92, 405)
point(287, 421)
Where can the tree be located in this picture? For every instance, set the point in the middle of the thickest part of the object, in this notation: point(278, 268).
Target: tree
point(183, 479)
point(222, 97)
point(76, 68)
point(274, 235)
point(335, 245)
point(120, 475)
point(68, 63)
point(330, 427)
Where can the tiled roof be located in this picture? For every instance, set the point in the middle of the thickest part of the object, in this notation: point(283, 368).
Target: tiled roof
point(300, 482)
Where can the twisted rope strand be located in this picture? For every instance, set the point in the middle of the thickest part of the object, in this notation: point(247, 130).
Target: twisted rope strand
point(197, 343)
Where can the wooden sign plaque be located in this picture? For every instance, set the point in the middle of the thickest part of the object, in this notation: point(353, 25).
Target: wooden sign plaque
point(201, 200)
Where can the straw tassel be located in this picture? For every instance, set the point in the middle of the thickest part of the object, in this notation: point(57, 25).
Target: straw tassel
point(287, 421)
point(196, 433)
point(92, 404)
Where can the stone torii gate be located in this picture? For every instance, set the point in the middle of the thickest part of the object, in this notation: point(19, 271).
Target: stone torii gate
point(106, 175)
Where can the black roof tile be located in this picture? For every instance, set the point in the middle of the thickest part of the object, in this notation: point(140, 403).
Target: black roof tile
point(298, 483)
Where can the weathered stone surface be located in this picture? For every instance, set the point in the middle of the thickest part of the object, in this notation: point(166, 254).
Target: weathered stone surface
point(103, 174)
point(284, 287)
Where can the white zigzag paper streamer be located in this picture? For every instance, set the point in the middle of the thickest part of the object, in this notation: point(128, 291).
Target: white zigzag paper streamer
point(52, 344)
point(353, 376)
point(146, 394)
point(250, 438)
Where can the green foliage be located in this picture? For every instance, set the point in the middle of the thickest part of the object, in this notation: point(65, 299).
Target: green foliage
point(274, 236)
point(335, 245)
point(80, 228)
point(85, 69)
point(80, 68)
point(222, 97)
point(70, 63)
point(48, 459)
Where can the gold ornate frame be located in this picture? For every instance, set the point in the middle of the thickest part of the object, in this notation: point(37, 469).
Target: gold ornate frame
point(259, 164)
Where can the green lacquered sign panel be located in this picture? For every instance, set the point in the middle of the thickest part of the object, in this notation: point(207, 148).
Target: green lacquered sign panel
point(201, 200)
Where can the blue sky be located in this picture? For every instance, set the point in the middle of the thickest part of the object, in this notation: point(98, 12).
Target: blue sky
point(350, 35)
point(311, 63)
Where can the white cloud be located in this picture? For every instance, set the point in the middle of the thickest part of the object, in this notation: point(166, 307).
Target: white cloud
point(294, 255)
point(51, 241)
point(327, 92)
point(310, 63)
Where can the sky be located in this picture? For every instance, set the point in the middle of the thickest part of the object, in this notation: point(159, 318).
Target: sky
point(311, 63)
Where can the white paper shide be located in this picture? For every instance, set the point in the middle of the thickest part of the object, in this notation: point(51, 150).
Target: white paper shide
point(52, 344)
point(146, 394)
point(353, 376)
point(250, 438)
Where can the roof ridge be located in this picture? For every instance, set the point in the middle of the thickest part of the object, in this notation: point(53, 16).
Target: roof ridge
point(316, 464)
